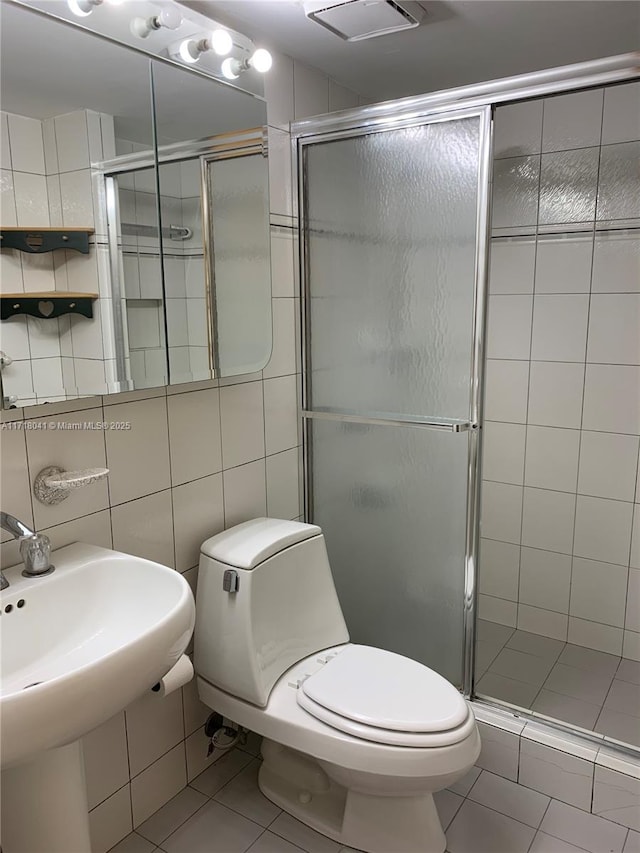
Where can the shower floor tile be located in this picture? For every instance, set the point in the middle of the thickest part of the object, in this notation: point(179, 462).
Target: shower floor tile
point(584, 687)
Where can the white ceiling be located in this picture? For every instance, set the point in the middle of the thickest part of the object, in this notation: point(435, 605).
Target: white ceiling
point(459, 42)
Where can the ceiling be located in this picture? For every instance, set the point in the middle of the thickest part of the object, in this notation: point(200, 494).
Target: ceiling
point(459, 42)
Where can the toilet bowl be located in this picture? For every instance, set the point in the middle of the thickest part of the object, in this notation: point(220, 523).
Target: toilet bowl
point(356, 739)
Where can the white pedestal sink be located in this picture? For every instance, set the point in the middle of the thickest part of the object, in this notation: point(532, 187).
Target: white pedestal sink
point(77, 646)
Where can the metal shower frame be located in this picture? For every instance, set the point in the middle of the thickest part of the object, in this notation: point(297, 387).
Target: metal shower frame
point(477, 99)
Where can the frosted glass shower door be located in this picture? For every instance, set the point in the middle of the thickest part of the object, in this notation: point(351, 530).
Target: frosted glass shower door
point(390, 248)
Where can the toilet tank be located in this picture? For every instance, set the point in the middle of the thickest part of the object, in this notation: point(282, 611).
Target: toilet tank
point(284, 609)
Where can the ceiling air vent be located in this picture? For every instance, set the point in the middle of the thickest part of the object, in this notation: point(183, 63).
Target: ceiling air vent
point(355, 20)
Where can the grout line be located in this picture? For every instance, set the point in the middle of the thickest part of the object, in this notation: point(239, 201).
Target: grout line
point(199, 809)
point(562, 492)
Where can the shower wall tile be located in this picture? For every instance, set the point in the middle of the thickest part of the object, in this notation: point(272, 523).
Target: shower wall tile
point(502, 511)
point(595, 635)
point(497, 610)
point(509, 327)
point(632, 615)
point(515, 191)
point(513, 264)
point(621, 120)
point(545, 578)
point(503, 452)
point(579, 392)
point(552, 458)
point(500, 569)
point(555, 394)
point(598, 592)
point(572, 121)
point(548, 623)
point(563, 265)
point(568, 186)
point(608, 465)
point(611, 399)
point(559, 327)
point(635, 541)
point(603, 530)
point(619, 184)
point(547, 520)
point(614, 322)
point(506, 390)
point(518, 130)
point(616, 263)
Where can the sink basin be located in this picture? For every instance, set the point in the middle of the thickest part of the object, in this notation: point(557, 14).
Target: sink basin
point(82, 643)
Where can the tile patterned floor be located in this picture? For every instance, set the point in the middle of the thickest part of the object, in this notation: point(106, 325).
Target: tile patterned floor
point(222, 811)
point(586, 688)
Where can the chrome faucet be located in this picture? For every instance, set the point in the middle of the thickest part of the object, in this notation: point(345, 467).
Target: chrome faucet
point(35, 548)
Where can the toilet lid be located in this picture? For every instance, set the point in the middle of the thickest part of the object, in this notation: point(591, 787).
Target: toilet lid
point(373, 687)
point(418, 740)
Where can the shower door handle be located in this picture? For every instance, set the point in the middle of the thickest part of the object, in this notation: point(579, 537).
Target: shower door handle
point(418, 422)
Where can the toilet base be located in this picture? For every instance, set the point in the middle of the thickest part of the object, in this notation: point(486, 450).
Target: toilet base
point(375, 824)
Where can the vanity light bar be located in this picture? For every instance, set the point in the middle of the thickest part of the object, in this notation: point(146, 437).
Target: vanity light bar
point(220, 42)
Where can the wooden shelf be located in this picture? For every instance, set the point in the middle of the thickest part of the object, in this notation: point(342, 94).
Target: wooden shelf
point(47, 304)
point(39, 240)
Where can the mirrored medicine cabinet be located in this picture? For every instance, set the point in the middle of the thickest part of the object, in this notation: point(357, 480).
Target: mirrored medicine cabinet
point(135, 217)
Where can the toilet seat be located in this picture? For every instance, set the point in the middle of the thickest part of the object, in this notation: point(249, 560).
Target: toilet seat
point(385, 698)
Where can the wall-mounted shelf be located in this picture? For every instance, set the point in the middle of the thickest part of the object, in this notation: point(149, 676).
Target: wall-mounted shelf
point(46, 305)
point(39, 240)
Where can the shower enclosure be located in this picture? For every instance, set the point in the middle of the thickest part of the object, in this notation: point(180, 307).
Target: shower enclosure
point(396, 232)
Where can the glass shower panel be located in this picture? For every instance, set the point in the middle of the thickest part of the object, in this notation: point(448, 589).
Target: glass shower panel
point(390, 251)
point(391, 246)
point(392, 504)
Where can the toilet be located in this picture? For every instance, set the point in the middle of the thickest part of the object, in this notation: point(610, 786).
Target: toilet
point(355, 739)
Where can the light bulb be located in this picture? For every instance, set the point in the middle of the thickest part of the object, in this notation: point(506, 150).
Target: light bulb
point(189, 51)
point(82, 8)
point(221, 42)
point(169, 17)
point(231, 68)
point(261, 60)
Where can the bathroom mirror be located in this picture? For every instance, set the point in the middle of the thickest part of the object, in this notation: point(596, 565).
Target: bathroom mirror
point(139, 309)
point(213, 181)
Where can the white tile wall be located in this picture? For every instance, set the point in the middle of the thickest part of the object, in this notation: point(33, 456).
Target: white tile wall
point(563, 265)
point(562, 393)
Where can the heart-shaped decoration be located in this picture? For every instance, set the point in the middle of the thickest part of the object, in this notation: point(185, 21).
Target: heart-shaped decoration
point(46, 308)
